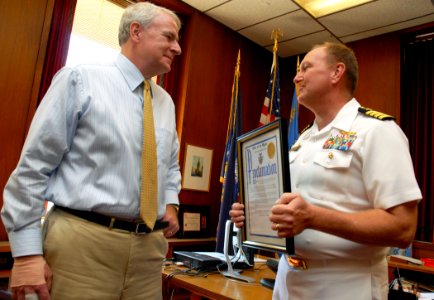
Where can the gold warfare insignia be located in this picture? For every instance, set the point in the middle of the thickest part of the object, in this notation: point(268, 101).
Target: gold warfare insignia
point(271, 150)
point(375, 114)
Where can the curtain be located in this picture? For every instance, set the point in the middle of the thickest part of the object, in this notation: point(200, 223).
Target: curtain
point(416, 121)
point(58, 42)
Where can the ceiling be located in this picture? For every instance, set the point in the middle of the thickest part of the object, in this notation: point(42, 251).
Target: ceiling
point(256, 19)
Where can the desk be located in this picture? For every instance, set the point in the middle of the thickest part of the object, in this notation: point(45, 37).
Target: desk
point(421, 274)
point(411, 267)
point(217, 287)
point(418, 273)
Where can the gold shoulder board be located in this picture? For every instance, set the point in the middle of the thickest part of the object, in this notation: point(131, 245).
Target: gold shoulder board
point(375, 114)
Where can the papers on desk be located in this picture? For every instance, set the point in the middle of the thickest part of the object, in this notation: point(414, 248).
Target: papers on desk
point(426, 296)
point(405, 259)
point(414, 287)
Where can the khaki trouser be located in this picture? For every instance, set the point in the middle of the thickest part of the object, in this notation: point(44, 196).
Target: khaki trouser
point(90, 261)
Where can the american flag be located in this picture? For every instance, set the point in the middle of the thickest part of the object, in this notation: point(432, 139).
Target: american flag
point(271, 107)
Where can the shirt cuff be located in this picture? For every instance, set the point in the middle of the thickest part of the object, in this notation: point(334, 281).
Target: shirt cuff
point(26, 242)
point(171, 197)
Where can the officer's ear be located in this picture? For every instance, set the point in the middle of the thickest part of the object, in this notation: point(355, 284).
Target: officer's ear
point(338, 71)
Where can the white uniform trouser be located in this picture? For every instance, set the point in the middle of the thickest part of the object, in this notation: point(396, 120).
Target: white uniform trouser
point(333, 280)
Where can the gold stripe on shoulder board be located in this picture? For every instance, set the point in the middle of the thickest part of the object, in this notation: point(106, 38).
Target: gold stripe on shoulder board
point(375, 114)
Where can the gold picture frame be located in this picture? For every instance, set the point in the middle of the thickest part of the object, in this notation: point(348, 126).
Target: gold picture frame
point(197, 168)
point(264, 176)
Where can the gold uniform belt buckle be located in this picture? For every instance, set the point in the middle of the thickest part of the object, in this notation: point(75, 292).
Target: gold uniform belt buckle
point(296, 262)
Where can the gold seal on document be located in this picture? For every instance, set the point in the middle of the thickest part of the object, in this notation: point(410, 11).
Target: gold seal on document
point(271, 149)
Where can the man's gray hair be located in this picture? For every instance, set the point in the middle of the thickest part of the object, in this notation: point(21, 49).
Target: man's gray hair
point(143, 13)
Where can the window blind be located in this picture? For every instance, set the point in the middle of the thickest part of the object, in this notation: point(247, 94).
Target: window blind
point(98, 20)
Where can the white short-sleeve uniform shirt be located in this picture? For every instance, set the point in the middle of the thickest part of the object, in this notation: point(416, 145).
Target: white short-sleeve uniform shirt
point(355, 163)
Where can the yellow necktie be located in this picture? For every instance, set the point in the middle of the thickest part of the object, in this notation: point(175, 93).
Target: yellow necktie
point(149, 184)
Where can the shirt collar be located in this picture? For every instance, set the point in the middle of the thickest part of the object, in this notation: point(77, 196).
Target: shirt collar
point(345, 117)
point(342, 121)
point(131, 73)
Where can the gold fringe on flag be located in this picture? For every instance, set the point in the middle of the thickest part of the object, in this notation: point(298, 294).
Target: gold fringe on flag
point(232, 114)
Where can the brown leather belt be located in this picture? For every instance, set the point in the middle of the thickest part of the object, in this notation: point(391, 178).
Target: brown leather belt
point(112, 222)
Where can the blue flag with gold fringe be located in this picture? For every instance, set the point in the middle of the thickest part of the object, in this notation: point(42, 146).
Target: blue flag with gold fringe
point(229, 172)
point(293, 119)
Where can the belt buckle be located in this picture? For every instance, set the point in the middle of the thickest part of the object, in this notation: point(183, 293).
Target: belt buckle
point(296, 262)
point(142, 228)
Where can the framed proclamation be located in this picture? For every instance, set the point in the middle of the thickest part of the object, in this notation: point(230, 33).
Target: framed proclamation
point(264, 177)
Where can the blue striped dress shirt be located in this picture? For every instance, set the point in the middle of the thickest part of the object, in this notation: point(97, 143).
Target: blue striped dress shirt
point(83, 151)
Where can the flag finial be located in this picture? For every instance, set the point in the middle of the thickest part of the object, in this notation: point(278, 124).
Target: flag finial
point(237, 67)
point(276, 34)
point(298, 64)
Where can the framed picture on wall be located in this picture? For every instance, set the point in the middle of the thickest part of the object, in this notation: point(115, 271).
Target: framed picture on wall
point(194, 221)
point(197, 168)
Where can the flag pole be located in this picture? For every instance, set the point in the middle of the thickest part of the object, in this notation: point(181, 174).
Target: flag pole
point(297, 69)
point(276, 34)
point(236, 77)
point(232, 115)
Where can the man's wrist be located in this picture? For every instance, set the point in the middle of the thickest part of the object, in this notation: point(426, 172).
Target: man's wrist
point(175, 206)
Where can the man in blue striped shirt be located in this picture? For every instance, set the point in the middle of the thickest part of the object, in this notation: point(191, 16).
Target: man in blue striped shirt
point(83, 153)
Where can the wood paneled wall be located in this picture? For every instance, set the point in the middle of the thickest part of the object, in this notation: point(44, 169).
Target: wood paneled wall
point(24, 28)
point(203, 106)
point(379, 73)
point(205, 82)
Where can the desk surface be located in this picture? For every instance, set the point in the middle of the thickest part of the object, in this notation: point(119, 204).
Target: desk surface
point(190, 241)
point(411, 267)
point(216, 286)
